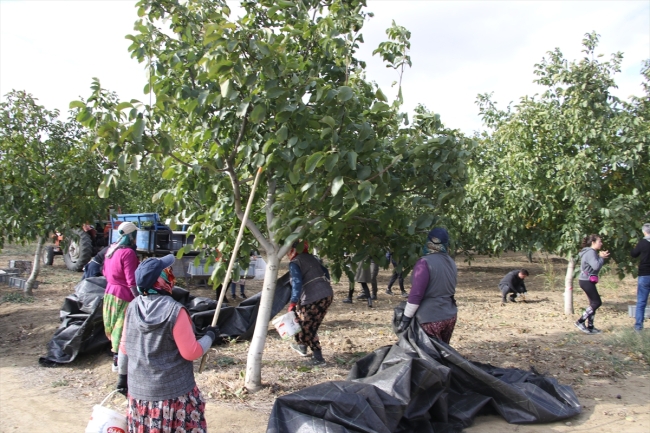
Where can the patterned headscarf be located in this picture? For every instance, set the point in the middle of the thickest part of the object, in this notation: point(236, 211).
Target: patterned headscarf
point(437, 241)
point(163, 285)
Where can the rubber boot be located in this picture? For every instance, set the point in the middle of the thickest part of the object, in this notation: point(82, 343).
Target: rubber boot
point(317, 357)
point(374, 294)
point(369, 302)
point(348, 300)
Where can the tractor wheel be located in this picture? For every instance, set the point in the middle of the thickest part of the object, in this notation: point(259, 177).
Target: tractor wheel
point(48, 255)
point(78, 251)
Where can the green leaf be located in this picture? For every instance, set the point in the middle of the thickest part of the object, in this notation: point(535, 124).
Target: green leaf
point(138, 130)
point(294, 177)
point(337, 183)
point(351, 212)
point(282, 134)
point(228, 90)
point(330, 161)
point(77, 104)
point(312, 161)
point(380, 95)
point(202, 97)
point(328, 120)
point(366, 192)
point(352, 160)
point(274, 92)
point(122, 105)
point(169, 173)
point(242, 108)
point(258, 114)
point(103, 190)
point(345, 93)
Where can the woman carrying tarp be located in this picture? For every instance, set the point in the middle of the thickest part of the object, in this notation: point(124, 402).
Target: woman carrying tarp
point(591, 260)
point(120, 264)
point(433, 285)
point(156, 353)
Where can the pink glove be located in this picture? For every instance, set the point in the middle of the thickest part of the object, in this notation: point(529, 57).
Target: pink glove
point(292, 306)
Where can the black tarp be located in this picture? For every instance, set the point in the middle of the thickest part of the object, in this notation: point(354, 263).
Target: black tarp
point(422, 385)
point(82, 327)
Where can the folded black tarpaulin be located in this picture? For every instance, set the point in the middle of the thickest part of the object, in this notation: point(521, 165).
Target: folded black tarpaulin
point(427, 387)
point(82, 326)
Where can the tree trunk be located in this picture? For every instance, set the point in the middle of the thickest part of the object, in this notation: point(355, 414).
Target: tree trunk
point(253, 380)
point(36, 267)
point(568, 286)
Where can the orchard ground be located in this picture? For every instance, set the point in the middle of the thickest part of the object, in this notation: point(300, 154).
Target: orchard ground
point(609, 372)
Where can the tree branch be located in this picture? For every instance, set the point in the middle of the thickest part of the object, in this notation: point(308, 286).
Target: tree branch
point(384, 170)
point(270, 197)
point(240, 136)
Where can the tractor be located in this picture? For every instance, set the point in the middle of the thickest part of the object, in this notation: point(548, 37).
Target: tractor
point(80, 247)
point(153, 239)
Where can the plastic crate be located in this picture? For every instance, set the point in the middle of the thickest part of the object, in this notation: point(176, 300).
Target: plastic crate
point(200, 270)
point(631, 310)
point(20, 283)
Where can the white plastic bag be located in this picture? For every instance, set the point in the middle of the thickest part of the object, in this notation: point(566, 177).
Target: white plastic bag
point(287, 325)
point(105, 420)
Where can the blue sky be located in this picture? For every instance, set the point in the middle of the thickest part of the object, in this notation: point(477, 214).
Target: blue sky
point(53, 48)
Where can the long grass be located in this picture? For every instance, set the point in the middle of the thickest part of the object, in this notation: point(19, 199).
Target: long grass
point(635, 344)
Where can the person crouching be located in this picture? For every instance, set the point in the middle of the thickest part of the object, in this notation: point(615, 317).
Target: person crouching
point(513, 283)
point(311, 296)
point(156, 353)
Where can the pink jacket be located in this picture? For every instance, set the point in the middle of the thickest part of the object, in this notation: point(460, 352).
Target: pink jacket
point(119, 271)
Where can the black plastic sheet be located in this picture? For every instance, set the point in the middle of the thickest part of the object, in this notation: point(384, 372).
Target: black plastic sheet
point(239, 322)
point(433, 389)
point(82, 326)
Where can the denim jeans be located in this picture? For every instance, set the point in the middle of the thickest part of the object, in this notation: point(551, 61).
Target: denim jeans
point(642, 292)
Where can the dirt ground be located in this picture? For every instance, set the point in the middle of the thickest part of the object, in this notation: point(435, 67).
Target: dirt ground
point(610, 381)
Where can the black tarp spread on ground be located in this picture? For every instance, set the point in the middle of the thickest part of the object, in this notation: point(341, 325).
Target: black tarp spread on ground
point(422, 385)
point(82, 327)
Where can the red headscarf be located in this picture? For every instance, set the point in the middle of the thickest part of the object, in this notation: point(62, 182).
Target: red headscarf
point(298, 248)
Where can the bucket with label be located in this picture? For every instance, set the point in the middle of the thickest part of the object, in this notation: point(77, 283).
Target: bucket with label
point(287, 325)
point(105, 420)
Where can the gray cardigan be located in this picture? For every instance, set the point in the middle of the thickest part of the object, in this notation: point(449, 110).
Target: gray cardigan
point(590, 263)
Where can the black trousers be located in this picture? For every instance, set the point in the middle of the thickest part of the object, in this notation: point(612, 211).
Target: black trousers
point(595, 302)
point(394, 278)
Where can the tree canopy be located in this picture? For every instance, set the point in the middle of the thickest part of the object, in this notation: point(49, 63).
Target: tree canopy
point(278, 87)
point(560, 165)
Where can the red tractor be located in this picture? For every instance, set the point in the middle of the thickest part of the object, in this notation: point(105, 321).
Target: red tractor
point(80, 247)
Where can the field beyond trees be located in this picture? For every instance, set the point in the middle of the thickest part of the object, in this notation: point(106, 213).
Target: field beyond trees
point(609, 372)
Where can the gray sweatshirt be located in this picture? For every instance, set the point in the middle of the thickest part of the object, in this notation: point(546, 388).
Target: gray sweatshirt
point(590, 263)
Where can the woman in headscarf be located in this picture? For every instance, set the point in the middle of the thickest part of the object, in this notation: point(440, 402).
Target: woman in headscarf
point(433, 285)
point(311, 296)
point(120, 264)
point(156, 353)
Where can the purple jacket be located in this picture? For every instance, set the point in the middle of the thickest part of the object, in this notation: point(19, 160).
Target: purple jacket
point(119, 271)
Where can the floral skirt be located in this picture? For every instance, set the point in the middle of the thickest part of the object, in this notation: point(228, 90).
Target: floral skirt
point(441, 330)
point(114, 311)
point(184, 414)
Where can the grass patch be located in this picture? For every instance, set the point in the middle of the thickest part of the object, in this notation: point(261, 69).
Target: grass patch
point(635, 344)
point(17, 298)
point(59, 383)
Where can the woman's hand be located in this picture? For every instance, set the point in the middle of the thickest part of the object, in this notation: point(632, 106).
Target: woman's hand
point(603, 254)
